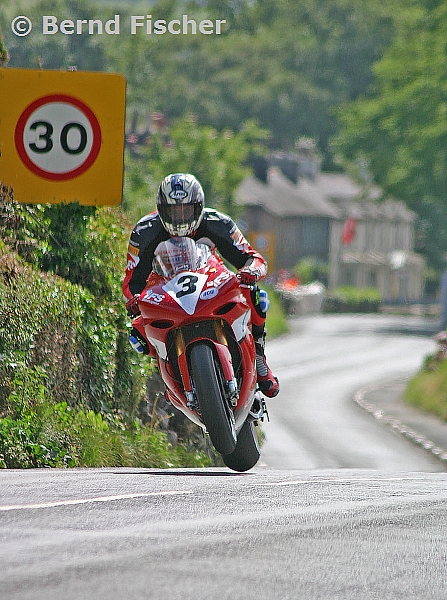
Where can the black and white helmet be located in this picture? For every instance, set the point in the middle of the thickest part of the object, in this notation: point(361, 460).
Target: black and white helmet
point(180, 204)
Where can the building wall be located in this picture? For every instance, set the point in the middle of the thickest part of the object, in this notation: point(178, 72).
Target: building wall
point(295, 237)
point(367, 261)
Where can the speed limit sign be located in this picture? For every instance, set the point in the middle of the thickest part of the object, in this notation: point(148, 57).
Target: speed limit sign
point(64, 145)
point(58, 137)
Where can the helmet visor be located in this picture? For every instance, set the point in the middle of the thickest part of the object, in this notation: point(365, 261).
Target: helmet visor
point(179, 219)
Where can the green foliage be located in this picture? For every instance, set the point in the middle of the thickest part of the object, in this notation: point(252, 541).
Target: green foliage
point(82, 244)
point(49, 323)
point(348, 299)
point(35, 431)
point(4, 56)
point(215, 158)
point(53, 51)
point(400, 128)
point(310, 269)
point(78, 336)
point(427, 389)
point(56, 435)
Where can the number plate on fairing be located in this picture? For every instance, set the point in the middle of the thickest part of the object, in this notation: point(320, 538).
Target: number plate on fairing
point(185, 288)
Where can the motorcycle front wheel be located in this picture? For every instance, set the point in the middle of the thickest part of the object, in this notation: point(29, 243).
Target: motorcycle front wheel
point(246, 454)
point(216, 414)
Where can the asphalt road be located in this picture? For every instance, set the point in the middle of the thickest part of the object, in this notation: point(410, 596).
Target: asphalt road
point(314, 422)
point(338, 508)
point(195, 535)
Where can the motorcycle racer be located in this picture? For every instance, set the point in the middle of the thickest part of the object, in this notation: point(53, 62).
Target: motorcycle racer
point(181, 212)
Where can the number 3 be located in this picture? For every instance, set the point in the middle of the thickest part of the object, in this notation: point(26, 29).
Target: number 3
point(188, 283)
point(43, 136)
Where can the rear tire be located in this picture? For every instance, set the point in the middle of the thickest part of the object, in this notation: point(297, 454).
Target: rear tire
point(246, 454)
point(216, 414)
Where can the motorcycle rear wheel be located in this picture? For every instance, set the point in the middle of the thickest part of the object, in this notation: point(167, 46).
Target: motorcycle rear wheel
point(216, 414)
point(246, 454)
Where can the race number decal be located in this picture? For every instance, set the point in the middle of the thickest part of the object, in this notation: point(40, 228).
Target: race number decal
point(185, 288)
point(188, 283)
point(58, 137)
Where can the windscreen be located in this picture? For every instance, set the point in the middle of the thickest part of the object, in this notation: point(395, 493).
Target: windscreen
point(176, 255)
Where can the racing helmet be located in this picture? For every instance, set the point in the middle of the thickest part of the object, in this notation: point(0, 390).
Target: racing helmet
point(180, 204)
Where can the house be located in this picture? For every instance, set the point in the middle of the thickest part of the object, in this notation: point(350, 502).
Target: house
point(296, 211)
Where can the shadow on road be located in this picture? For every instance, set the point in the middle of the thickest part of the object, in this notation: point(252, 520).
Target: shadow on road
point(183, 473)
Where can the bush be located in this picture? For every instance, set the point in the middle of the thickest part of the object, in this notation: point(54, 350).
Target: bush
point(60, 436)
point(349, 299)
point(48, 323)
point(77, 334)
point(38, 433)
point(309, 270)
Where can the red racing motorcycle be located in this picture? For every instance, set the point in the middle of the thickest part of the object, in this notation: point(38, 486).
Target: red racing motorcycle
point(197, 319)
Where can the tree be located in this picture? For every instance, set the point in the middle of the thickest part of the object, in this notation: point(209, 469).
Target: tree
point(284, 64)
point(54, 51)
point(217, 159)
point(400, 129)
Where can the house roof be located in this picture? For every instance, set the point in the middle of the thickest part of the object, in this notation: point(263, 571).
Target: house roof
point(389, 210)
point(338, 186)
point(333, 195)
point(283, 198)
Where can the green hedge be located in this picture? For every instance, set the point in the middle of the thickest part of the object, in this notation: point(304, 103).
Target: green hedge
point(348, 299)
point(48, 322)
point(70, 384)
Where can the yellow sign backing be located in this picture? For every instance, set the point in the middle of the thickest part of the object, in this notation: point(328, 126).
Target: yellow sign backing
point(62, 136)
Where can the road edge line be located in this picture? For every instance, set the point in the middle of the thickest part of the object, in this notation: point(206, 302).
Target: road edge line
point(397, 425)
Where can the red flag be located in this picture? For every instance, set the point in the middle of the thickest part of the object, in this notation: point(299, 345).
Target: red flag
point(348, 231)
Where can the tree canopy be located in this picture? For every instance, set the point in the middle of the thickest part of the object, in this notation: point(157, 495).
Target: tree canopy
point(284, 64)
point(400, 128)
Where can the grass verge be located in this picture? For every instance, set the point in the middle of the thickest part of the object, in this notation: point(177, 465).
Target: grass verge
point(427, 390)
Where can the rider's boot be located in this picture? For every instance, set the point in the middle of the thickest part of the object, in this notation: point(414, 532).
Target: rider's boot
point(267, 382)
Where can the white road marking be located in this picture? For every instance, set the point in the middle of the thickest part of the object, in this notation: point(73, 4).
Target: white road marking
point(88, 500)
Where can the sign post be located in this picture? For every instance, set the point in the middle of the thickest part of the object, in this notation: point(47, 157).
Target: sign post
point(62, 136)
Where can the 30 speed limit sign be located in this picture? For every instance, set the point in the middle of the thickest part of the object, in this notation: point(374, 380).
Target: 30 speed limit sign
point(65, 145)
point(58, 137)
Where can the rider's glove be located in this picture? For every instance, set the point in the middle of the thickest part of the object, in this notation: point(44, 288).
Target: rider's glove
point(247, 277)
point(133, 310)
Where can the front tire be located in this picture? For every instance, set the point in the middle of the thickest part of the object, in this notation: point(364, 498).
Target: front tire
point(246, 454)
point(216, 414)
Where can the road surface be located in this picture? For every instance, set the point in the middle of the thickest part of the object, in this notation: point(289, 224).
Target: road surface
point(321, 364)
point(339, 508)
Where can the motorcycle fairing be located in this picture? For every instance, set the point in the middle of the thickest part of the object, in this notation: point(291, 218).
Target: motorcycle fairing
point(185, 288)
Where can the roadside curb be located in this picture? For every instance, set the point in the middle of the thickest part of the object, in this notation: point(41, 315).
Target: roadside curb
point(397, 424)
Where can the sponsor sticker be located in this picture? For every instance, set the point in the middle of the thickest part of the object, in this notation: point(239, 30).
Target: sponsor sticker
point(153, 298)
point(209, 293)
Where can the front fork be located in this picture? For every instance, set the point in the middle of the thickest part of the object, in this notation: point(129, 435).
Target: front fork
point(225, 360)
